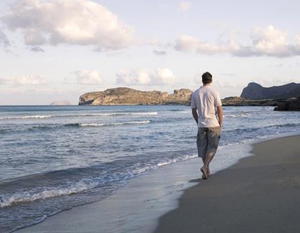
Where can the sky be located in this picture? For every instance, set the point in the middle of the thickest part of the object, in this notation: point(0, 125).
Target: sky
point(57, 50)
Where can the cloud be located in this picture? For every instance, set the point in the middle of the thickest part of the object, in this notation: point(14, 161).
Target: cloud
point(138, 77)
point(188, 43)
point(184, 6)
point(37, 49)
point(159, 53)
point(271, 41)
point(268, 41)
point(80, 22)
point(162, 76)
point(34, 80)
point(165, 76)
point(4, 42)
point(88, 77)
point(297, 38)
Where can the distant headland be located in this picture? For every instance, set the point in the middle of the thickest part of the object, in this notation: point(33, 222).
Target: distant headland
point(255, 91)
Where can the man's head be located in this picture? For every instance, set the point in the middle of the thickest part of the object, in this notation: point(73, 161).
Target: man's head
point(206, 78)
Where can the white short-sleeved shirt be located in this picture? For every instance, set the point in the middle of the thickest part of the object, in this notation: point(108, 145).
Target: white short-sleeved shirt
point(206, 100)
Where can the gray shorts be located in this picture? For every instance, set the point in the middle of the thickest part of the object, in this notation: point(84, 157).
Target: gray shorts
point(208, 140)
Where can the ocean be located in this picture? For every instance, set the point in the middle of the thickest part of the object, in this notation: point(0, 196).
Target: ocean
point(54, 158)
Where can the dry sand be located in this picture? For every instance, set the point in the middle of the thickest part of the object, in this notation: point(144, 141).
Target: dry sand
point(260, 194)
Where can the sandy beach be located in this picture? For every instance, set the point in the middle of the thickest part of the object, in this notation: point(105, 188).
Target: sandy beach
point(259, 194)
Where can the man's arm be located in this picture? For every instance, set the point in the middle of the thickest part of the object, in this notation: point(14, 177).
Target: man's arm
point(220, 115)
point(195, 114)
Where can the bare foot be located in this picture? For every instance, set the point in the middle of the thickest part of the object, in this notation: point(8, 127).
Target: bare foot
point(204, 176)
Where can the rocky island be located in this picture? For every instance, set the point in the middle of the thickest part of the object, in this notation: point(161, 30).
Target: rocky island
point(129, 96)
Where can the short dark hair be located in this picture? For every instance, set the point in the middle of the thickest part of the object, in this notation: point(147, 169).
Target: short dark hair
point(206, 78)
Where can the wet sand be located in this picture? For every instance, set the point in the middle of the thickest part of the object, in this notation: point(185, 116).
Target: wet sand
point(260, 194)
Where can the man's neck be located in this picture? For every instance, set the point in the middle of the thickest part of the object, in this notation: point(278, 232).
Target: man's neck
point(206, 85)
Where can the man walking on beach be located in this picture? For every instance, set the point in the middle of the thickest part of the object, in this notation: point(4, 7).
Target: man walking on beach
point(208, 114)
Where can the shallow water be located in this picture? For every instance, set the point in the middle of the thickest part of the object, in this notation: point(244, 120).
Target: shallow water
point(55, 158)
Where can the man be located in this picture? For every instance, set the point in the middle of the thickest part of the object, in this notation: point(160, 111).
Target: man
point(208, 114)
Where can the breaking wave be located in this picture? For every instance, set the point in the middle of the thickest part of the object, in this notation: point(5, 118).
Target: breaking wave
point(109, 124)
point(81, 115)
point(86, 184)
point(125, 114)
point(25, 117)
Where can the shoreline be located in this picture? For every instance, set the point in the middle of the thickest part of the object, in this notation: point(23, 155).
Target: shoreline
point(134, 208)
point(137, 206)
point(258, 194)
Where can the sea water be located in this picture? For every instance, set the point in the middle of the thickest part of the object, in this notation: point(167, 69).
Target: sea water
point(54, 158)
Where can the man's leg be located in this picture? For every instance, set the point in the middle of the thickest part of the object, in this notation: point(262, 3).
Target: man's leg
point(207, 173)
point(208, 158)
point(202, 143)
point(213, 137)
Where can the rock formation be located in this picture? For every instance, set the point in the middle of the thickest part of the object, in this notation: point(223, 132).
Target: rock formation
point(240, 101)
point(128, 96)
point(255, 91)
point(291, 104)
